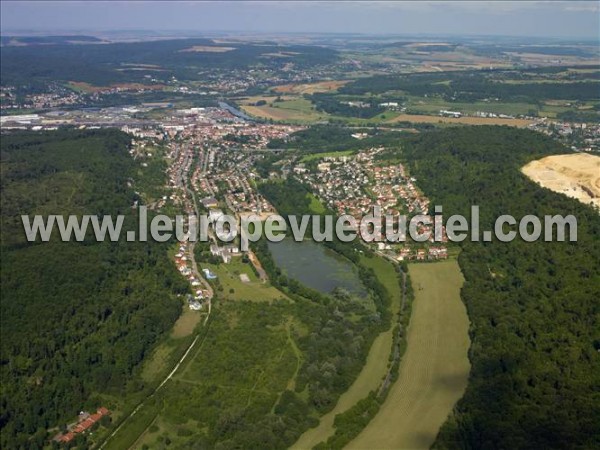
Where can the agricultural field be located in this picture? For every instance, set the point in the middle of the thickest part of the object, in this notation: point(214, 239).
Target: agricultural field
point(208, 49)
point(373, 371)
point(575, 175)
point(547, 108)
point(81, 86)
point(420, 109)
point(433, 105)
point(288, 109)
point(434, 369)
point(416, 118)
point(302, 111)
point(309, 88)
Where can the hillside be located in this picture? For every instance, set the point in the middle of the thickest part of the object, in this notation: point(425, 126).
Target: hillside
point(77, 318)
point(533, 307)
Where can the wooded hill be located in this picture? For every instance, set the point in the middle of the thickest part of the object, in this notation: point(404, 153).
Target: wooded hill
point(534, 307)
point(77, 318)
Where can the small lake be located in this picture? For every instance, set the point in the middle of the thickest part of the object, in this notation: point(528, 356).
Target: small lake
point(316, 266)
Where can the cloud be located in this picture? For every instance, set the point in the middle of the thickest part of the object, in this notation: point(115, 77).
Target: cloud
point(584, 7)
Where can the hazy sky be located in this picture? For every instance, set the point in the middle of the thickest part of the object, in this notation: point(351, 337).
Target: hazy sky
point(571, 19)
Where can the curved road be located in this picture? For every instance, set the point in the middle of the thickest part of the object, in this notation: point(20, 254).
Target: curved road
point(182, 182)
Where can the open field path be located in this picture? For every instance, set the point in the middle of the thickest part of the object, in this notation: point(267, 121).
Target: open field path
point(375, 371)
point(433, 371)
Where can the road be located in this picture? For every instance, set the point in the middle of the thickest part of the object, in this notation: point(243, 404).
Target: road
point(182, 182)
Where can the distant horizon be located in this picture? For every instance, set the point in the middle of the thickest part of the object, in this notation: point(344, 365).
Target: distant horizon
point(81, 31)
point(571, 20)
point(191, 34)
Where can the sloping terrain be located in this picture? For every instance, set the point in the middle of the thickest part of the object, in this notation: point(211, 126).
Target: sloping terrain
point(77, 318)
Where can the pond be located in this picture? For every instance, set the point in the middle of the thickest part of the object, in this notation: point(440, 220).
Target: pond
point(316, 266)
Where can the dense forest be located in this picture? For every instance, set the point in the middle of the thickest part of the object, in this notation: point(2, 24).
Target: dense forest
point(474, 85)
point(77, 318)
point(534, 307)
point(328, 138)
point(318, 138)
point(103, 65)
point(331, 104)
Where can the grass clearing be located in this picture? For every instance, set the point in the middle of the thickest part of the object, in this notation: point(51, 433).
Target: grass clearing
point(434, 369)
point(249, 358)
point(315, 204)
point(228, 276)
point(158, 362)
point(292, 109)
point(166, 354)
point(186, 323)
point(375, 368)
point(248, 337)
point(136, 426)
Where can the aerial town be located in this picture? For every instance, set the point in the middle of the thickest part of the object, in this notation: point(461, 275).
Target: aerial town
point(198, 337)
point(357, 184)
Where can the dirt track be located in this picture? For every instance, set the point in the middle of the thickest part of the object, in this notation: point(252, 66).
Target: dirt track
point(576, 175)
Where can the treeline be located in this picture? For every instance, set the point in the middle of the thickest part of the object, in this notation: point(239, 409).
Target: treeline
point(291, 197)
point(316, 139)
point(332, 104)
point(592, 115)
point(77, 318)
point(472, 86)
point(351, 422)
point(534, 308)
point(329, 138)
point(98, 64)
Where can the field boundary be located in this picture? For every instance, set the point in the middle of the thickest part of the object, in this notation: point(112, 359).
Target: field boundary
point(434, 370)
